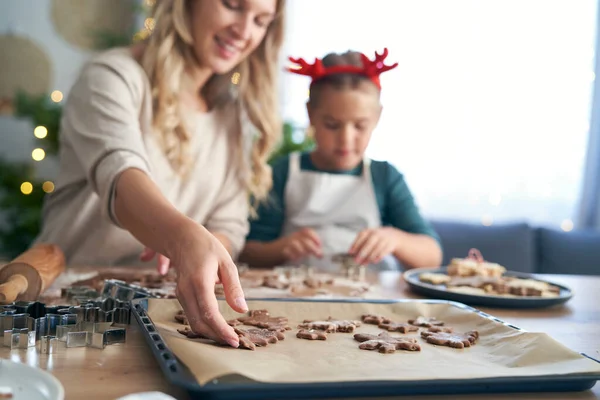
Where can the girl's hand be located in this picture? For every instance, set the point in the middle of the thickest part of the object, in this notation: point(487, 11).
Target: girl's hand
point(301, 244)
point(372, 245)
point(201, 261)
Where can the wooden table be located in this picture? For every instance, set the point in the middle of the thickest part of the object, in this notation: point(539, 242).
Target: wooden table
point(122, 369)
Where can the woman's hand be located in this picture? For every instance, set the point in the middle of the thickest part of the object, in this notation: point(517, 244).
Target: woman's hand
point(372, 245)
point(301, 244)
point(201, 261)
point(162, 262)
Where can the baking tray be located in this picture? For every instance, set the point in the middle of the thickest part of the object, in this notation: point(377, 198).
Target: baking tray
point(238, 387)
point(439, 292)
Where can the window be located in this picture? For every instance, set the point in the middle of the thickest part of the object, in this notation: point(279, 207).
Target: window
point(487, 114)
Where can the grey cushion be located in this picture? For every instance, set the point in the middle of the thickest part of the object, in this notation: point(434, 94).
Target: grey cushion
point(575, 252)
point(511, 245)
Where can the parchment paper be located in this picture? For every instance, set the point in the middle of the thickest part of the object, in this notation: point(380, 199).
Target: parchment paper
point(500, 352)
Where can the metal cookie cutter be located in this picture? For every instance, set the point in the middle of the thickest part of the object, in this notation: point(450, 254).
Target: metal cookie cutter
point(79, 294)
point(41, 319)
point(97, 335)
point(350, 267)
point(48, 344)
point(94, 326)
point(120, 290)
point(19, 338)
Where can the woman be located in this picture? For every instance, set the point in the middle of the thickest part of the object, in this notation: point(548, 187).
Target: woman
point(157, 150)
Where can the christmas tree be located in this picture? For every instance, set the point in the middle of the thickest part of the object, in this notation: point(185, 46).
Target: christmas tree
point(21, 190)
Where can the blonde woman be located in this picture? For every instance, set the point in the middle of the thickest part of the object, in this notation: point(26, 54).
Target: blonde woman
point(160, 151)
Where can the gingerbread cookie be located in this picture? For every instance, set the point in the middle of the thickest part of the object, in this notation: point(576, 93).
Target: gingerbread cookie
point(187, 332)
point(374, 319)
point(456, 340)
point(331, 325)
point(425, 322)
point(181, 318)
point(468, 290)
point(531, 287)
point(398, 327)
point(315, 283)
point(262, 319)
point(474, 264)
point(385, 343)
point(434, 278)
point(311, 334)
point(436, 329)
point(276, 282)
point(253, 337)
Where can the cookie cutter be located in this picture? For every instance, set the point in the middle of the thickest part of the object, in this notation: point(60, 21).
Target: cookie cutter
point(90, 334)
point(19, 338)
point(36, 317)
point(79, 293)
point(120, 290)
point(48, 344)
point(349, 266)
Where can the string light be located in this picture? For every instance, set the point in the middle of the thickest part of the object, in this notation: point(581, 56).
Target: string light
point(487, 220)
point(26, 187)
point(38, 154)
point(149, 23)
point(235, 78)
point(48, 187)
point(56, 96)
point(40, 132)
point(567, 225)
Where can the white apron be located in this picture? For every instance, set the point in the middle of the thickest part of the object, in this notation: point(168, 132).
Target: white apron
point(337, 206)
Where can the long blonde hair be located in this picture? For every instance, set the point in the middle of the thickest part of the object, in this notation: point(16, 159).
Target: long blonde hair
point(169, 50)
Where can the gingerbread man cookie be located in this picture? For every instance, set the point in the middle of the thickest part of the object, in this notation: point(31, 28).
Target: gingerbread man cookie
point(311, 334)
point(331, 325)
point(456, 340)
point(262, 319)
point(374, 319)
point(436, 329)
point(385, 343)
point(425, 322)
point(187, 332)
point(398, 327)
point(253, 337)
point(181, 318)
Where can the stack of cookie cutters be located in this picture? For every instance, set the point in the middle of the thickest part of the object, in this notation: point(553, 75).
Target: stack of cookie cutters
point(93, 324)
point(112, 289)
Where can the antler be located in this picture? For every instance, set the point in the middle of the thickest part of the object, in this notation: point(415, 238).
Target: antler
point(377, 65)
point(314, 70)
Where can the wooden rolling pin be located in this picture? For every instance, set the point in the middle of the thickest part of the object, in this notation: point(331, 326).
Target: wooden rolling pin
point(28, 275)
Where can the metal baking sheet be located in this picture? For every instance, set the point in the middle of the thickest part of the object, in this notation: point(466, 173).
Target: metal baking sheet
point(439, 292)
point(239, 387)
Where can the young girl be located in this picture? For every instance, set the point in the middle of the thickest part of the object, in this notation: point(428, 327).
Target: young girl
point(333, 199)
point(160, 150)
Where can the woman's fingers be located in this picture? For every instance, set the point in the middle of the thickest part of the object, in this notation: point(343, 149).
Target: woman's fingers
point(147, 254)
point(163, 264)
point(185, 294)
point(210, 314)
point(234, 293)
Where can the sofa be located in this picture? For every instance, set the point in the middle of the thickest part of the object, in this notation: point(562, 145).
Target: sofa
point(524, 248)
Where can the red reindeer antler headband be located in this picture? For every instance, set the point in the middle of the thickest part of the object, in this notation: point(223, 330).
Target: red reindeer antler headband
point(371, 68)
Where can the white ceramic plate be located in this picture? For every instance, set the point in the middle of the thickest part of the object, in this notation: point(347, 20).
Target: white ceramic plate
point(28, 383)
